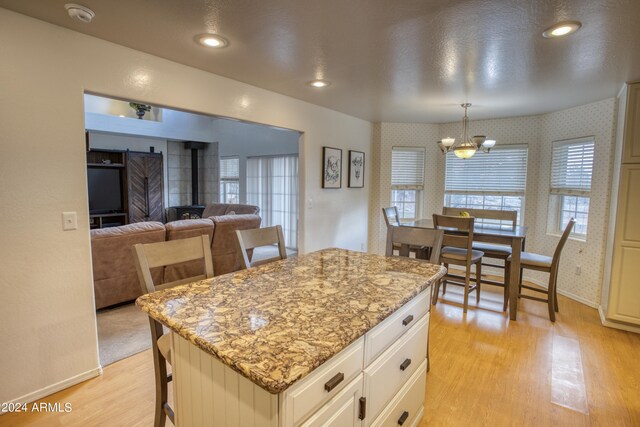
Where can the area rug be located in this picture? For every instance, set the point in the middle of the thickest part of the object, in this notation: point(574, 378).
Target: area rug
point(122, 332)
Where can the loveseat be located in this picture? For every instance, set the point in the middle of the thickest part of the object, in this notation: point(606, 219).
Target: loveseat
point(114, 275)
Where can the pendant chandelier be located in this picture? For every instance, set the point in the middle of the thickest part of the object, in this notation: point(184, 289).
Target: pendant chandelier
point(468, 146)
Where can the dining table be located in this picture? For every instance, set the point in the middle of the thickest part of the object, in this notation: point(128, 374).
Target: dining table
point(499, 235)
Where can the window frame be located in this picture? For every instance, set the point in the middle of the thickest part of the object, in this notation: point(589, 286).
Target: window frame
point(222, 196)
point(557, 195)
point(416, 185)
point(471, 192)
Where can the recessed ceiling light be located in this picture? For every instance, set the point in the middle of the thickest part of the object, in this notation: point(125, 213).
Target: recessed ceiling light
point(319, 83)
point(212, 40)
point(562, 29)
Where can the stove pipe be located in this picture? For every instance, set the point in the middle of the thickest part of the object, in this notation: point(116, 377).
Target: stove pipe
point(194, 147)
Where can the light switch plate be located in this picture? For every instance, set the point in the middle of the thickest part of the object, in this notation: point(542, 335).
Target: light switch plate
point(69, 221)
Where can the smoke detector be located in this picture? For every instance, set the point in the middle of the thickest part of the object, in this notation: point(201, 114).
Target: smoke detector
point(79, 12)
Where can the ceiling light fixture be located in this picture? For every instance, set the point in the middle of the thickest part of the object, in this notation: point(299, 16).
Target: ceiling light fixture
point(79, 12)
point(319, 83)
point(468, 146)
point(562, 29)
point(212, 40)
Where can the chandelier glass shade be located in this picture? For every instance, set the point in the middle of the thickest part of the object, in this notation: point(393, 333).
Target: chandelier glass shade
point(468, 146)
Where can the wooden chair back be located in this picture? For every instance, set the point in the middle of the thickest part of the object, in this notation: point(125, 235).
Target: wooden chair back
point(561, 243)
point(162, 254)
point(458, 230)
point(406, 237)
point(391, 216)
point(257, 237)
point(503, 216)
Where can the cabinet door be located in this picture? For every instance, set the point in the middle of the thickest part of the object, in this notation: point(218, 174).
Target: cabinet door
point(631, 149)
point(624, 297)
point(343, 410)
point(145, 183)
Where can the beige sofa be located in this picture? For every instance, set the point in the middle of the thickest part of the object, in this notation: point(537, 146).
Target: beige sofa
point(114, 275)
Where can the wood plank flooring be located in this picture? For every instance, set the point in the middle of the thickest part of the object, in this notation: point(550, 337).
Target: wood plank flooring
point(485, 371)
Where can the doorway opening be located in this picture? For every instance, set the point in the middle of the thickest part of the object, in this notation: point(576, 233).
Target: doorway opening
point(148, 166)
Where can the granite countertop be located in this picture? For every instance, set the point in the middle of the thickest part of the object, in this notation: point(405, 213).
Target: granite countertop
point(276, 323)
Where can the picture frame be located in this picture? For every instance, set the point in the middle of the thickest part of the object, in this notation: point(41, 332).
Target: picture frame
point(356, 169)
point(331, 167)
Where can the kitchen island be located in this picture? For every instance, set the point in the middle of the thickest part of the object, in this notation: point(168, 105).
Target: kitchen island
point(334, 337)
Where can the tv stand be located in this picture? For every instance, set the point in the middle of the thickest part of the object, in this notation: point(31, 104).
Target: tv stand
point(107, 220)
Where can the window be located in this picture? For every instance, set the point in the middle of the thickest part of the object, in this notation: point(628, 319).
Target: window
point(495, 180)
point(571, 172)
point(407, 180)
point(230, 180)
point(272, 184)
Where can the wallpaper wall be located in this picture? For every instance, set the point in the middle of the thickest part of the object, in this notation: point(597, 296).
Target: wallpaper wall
point(538, 132)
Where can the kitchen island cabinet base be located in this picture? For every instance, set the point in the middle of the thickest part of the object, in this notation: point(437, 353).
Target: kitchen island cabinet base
point(344, 391)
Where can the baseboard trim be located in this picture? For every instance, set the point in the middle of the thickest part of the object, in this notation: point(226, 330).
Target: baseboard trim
point(54, 388)
point(616, 325)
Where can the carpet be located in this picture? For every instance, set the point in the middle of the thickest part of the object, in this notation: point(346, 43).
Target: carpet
point(122, 332)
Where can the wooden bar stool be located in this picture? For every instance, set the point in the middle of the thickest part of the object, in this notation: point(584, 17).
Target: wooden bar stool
point(160, 255)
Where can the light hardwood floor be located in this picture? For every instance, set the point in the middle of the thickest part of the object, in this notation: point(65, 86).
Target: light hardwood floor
point(485, 371)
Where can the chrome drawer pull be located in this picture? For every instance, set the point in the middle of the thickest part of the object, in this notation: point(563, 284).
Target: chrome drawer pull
point(405, 364)
point(403, 418)
point(333, 382)
point(407, 320)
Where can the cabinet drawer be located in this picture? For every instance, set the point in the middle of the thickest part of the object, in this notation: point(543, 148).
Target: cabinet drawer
point(309, 394)
point(386, 333)
point(342, 410)
point(388, 373)
point(409, 400)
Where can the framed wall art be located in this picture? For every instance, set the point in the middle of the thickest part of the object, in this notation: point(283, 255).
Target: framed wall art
point(356, 169)
point(331, 167)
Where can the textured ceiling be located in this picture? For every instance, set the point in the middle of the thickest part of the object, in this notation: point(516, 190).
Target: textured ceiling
point(388, 60)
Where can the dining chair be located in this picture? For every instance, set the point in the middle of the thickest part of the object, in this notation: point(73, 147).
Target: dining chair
point(407, 237)
point(507, 219)
point(259, 237)
point(546, 264)
point(391, 216)
point(428, 239)
point(160, 255)
point(457, 250)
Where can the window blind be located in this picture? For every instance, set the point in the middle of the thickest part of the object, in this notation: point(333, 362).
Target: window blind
point(572, 167)
point(229, 168)
point(407, 168)
point(501, 172)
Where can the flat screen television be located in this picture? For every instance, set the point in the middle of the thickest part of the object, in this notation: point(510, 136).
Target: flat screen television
point(105, 190)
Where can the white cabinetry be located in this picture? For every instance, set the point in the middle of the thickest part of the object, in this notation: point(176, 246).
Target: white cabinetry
point(621, 290)
point(377, 380)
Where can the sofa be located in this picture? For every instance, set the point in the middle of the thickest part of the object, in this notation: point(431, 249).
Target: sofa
point(114, 275)
point(217, 209)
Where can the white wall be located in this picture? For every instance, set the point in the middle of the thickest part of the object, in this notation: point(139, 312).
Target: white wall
point(47, 320)
point(248, 139)
point(101, 114)
point(597, 119)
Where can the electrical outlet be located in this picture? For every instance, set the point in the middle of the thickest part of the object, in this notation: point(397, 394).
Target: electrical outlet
point(578, 270)
point(69, 221)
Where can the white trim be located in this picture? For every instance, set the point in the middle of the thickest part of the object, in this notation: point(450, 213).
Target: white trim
point(61, 385)
point(616, 325)
point(567, 294)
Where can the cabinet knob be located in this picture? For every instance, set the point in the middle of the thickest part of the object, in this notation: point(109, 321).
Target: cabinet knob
point(333, 382)
point(407, 320)
point(405, 364)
